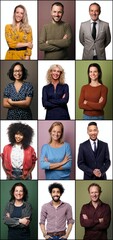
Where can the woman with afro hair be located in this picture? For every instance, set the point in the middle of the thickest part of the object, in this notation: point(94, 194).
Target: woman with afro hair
point(18, 157)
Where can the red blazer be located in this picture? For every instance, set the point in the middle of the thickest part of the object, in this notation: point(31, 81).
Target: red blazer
point(28, 162)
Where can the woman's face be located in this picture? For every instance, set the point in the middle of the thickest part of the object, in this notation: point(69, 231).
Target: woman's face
point(55, 73)
point(18, 193)
point(19, 137)
point(93, 73)
point(17, 72)
point(19, 13)
point(56, 133)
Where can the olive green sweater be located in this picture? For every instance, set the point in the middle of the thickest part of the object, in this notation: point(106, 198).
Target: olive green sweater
point(56, 47)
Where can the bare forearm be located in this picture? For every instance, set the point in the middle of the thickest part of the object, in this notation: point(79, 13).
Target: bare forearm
point(57, 166)
point(42, 226)
point(22, 103)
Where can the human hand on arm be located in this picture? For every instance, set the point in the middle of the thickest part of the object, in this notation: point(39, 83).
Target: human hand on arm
point(25, 221)
point(58, 165)
point(46, 236)
point(97, 172)
point(22, 103)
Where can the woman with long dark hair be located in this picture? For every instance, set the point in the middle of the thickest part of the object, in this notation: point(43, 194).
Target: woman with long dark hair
point(93, 96)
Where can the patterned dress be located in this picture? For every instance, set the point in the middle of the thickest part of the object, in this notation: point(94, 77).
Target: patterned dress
point(16, 113)
point(14, 36)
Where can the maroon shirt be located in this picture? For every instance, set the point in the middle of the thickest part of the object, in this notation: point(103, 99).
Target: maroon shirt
point(56, 217)
point(94, 230)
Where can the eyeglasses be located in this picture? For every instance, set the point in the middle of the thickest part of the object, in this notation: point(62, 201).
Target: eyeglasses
point(16, 71)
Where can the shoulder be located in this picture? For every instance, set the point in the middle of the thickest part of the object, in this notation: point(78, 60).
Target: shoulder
point(8, 146)
point(65, 24)
point(67, 205)
point(46, 205)
point(29, 148)
point(27, 205)
point(45, 146)
point(85, 23)
point(47, 86)
point(8, 26)
point(104, 87)
point(103, 23)
point(66, 144)
point(85, 86)
point(102, 143)
point(84, 143)
point(9, 85)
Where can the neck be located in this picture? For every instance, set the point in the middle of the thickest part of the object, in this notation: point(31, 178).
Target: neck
point(55, 204)
point(55, 82)
point(18, 202)
point(94, 82)
point(95, 204)
point(20, 81)
point(55, 143)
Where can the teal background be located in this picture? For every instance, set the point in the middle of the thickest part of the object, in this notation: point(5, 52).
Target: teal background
point(32, 199)
point(82, 79)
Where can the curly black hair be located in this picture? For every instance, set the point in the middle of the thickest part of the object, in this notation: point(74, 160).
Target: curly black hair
point(24, 71)
point(24, 129)
point(25, 191)
point(56, 185)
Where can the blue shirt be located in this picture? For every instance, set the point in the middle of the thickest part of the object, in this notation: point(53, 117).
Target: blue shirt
point(55, 155)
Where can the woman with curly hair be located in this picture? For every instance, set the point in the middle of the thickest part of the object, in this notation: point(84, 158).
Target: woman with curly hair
point(55, 94)
point(19, 36)
point(18, 95)
point(17, 214)
point(56, 157)
point(18, 157)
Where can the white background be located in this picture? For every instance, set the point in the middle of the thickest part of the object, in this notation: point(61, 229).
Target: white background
point(7, 9)
point(69, 69)
point(105, 135)
point(45, 197)
point(4, 141)
point(82, 15)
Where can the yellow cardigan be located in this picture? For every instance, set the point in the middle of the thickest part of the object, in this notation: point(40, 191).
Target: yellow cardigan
point(13, 37)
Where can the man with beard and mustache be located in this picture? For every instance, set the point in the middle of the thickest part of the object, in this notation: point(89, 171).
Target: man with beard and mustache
point(56, 36)
point(95, 216)
point(93, 155)
point(94, 35)
point(57, 214)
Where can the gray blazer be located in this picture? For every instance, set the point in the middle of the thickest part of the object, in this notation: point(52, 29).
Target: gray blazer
point(99, 44)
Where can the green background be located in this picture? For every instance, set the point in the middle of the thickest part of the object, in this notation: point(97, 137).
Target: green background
point(82, 79)
point(32, 199)
point(82, 197)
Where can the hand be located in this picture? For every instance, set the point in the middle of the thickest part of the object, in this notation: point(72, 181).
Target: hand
point(47, 237)
point(64, 95)
point(101, 99)
point(10, 176)
point(23, 177)
point(25, 221)
point(85, 102)
point(64, 237)
point(8, 215)
point(101, 220)
point(10, 101)
point(65, 36)
point(65, 160)
point(97, 172)
point(27, 57)
point(30, 45)
point(46, 42)
point(46, 159)
point(84, 216)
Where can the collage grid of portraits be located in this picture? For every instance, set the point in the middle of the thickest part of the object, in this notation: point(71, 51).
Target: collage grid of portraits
point(75, 69)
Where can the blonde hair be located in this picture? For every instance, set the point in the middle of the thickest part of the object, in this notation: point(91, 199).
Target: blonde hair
point(62, 75)
point(62, 130)
point(24, 25)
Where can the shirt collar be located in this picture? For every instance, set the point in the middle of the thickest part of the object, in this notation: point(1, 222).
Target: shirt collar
point(97, 21)
point(51, 203)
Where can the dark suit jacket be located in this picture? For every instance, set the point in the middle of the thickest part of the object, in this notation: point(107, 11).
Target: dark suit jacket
point(88, 161)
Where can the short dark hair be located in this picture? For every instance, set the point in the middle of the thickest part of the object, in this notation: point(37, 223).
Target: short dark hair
point(58, 4)
point(96, 5)
point(26, 131)
point(11, 70)
point(25, 196)
point(92, 123)
point(56, 185)
point(99, 71)
point(94, 185)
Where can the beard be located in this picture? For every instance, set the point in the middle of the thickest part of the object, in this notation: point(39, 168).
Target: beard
point(56, 200)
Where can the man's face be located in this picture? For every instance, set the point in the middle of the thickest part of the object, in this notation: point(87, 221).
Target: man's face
point(94, 12)
point(56, 13)
point(56, 194)
point(92, 132)
point(94, 194)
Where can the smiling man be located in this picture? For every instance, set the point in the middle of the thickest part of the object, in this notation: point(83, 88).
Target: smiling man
point(94, 35)
point(57, 214)
point(95, 216)
point(93, 155)
point(56, 36)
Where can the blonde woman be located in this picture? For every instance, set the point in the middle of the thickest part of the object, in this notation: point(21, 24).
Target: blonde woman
point(19, 36)
point(55, 94)
point(56, 157)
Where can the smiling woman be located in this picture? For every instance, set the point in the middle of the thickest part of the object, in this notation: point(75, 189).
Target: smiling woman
point(18, 157)
point(55, 94)
point(19, 36)
point(17, 214)
point(18, 95)
point(56, 157)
